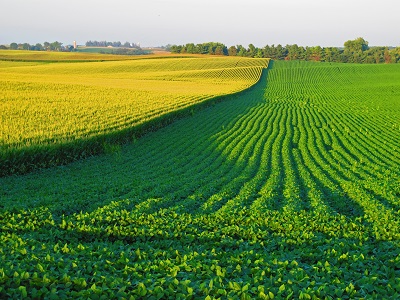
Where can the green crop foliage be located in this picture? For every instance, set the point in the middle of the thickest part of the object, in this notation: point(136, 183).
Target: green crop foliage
point(289, 190)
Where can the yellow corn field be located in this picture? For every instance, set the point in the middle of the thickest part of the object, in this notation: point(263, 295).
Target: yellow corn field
point(48, 103)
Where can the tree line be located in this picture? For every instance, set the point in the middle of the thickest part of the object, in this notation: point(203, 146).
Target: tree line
point(354, 51)
point(46, 46)
point(111, 44)
point(57, 46)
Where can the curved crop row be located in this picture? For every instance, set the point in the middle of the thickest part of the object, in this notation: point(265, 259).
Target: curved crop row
point(275, 193)
point(82, 106)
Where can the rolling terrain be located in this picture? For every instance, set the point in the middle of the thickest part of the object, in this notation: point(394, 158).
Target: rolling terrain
point(56, 108)
point(289, 189)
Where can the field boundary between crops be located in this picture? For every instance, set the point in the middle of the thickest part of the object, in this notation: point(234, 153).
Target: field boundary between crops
point(28, 159)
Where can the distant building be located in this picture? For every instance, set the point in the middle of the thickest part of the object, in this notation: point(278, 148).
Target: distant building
point(74, 44)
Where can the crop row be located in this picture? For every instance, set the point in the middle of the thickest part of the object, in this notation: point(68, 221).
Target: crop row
point(266, 195)
point(50, 108)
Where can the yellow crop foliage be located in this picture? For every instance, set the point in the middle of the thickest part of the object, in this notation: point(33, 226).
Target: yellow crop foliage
point(45, 103)
point(23, 55)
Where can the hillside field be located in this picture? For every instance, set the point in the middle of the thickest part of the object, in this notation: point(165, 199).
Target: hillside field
point(289, 189)
point(56, 111)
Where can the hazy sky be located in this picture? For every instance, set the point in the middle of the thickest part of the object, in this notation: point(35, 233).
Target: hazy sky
point(232, 22)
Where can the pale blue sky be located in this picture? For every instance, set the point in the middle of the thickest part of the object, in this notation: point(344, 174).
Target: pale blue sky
point(232, 22)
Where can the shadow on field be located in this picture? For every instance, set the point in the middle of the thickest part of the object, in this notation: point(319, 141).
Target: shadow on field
point(222, 159)
point(171, 163)
point(222, 198)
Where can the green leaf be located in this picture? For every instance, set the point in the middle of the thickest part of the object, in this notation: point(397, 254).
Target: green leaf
point(23, 291)
point(142, 289)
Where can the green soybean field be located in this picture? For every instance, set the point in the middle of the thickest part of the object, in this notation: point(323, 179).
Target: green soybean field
point(287, 190)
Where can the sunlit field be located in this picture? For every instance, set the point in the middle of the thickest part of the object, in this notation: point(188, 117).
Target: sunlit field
point(55, 112)
point(287, 190)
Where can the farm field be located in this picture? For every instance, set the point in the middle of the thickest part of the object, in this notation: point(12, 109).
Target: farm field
point(55, 56)
point(288, 190)
point(53, 112)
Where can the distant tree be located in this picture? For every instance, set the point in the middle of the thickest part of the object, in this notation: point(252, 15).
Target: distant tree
point(251, 51)
point(232, 51)
point(3, 47)
point(13, 46)
point(337, 55)
point(202, 48)
point(327, 54)
point(314, 53)
point(395, 53)
point(176, 49)
point(267, 51)
point(389, 59)
point(281, 52)
point(241, 51)
point(374, 55)
point(259, 53)
point(38, 47)
point(190, 48)
point(127, 45)
point(196, 48)
point(26, 46)
point(219, 50)
point(56, 46)
point(353, 50)
point(294, 52)
point(46, 46)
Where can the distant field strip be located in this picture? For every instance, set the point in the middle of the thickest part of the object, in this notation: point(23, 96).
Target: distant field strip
point(55, 56)
point(48, 105)
point(289, 190)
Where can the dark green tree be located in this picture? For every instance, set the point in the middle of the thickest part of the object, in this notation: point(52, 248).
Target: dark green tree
point(46, 46)
point(281, 52)
point(241, 51)
point(251, 51)
point(294, 52)
point(56, 46)
point(38, 47)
